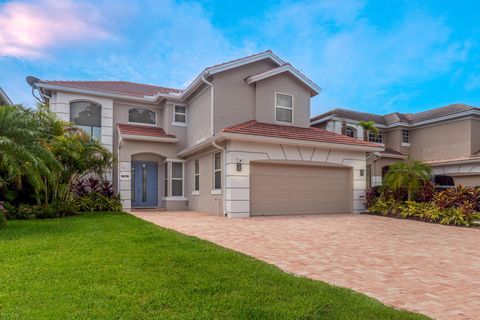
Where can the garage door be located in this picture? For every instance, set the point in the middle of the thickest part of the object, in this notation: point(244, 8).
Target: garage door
point(280, 189)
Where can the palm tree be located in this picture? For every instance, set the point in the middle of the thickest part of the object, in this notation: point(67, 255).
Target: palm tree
point(409, 175)
point(368, 126)
point(23, 155)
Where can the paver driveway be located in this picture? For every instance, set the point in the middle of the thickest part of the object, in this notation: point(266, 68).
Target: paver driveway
point(417, 266)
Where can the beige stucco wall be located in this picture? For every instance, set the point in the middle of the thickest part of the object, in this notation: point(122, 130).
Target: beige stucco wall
point(199, 116)
point(238, 183)
point(204, 200)
point(441, 141)
point(287, 84)
point(234, 98)
point(475, 135)
point(393, 139)
point(469, 181)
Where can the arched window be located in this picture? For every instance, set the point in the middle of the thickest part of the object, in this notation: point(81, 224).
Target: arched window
point(140, 115)
point(351, 132)
point(87, 116)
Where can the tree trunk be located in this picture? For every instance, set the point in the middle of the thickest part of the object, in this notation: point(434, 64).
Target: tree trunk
point(365, 135)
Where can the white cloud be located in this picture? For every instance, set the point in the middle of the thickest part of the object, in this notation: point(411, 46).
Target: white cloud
point(28, 29)
point(356, 62)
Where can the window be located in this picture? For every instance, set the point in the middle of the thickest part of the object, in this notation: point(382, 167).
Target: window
point(166, 179)
point(377, 138)
point(140, 115)
point(196, 175)
point(177, 179)
point(88, 117)
point(180, 114)
point(350, 132)
point(405, 136)
point(283, 107)
point(217, 171)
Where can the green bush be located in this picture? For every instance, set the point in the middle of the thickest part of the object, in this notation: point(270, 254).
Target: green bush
point(25, 212)
point(97, 202)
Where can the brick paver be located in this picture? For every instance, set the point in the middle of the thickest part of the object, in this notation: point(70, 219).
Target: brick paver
point(417, 266)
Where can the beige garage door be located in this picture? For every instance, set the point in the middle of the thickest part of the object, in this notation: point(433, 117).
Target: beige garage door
point(279, 189)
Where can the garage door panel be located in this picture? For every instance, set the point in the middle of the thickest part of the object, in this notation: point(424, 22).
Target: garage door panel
point(292, 189)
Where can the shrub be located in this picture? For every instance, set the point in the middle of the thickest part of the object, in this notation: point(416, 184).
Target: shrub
point(97, 202)
point(426, 192)
point(370, 197)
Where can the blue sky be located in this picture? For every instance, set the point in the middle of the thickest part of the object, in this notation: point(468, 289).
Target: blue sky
point(373, 56)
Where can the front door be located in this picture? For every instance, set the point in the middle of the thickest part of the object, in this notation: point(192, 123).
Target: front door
point(144, 184)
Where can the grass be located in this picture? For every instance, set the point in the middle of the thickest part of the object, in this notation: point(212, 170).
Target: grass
point(114, 266)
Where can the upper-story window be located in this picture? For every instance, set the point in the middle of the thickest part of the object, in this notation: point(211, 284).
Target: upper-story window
point(88, 117)
point(377, 138)
point(283, 107)
point(405, 136)
point(179, 114)
point(350, 132)
point(140, 115)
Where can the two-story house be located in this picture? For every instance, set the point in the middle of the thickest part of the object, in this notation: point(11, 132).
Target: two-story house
point(447, 138)
point(236, 142)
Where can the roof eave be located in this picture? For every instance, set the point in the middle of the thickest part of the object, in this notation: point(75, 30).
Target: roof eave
point(5, 98)
point(148, 138)
point(306, 143)
point(286, 68)
point(47, 86)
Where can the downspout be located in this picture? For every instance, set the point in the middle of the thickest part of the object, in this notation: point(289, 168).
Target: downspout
point(224, 173)
point(212, 107)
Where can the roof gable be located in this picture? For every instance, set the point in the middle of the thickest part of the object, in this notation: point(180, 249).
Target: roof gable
point(288, 68)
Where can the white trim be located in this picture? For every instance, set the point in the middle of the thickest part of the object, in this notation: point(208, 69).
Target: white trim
point(405, 144)
point(173, 198)
point(286, 108)
point(223, 67)
point(214, 171)
point(285, 68)
point(216, 191)
point(94, 92)
point(175, 160)
point(142, 123)
point(195, 174)
point(147, 138)
point(195, 193)
point(174, 113)
point(179, 124)
point(171, 178)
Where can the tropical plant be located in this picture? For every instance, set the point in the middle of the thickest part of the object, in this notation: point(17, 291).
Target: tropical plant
point(408, 175)
point(426, 192)
point(24, 155)
point(368, 126)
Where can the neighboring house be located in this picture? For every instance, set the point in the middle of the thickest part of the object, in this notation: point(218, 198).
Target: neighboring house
point(4, 99)
point(237, 141)
point(448, 138)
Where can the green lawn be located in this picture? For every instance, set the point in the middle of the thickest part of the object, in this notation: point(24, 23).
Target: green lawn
point(114, 266)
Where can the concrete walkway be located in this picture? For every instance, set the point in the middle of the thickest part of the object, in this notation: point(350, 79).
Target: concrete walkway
point(427, 268)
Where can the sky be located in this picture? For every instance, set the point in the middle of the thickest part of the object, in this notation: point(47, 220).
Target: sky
point(371, 56)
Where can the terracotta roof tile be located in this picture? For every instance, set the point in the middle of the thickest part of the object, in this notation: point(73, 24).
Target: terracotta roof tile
point(254, 127)
point(137, 130)
point(398, 117)
point(120, 87)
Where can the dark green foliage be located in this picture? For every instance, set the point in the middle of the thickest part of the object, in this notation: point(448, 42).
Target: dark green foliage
point(3, 219)
point(97, 202)
point(114, 266)
point(27, 212)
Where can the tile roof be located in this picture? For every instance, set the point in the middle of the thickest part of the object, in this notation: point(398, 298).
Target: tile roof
point(392, 152)
point(254, 127)
point(147, 131)
point(119, 87)
point(396, 117)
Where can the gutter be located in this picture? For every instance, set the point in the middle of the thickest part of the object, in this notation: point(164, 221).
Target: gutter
point(212, 106)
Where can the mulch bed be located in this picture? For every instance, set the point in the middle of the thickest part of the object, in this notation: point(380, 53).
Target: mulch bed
point(474, 226)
